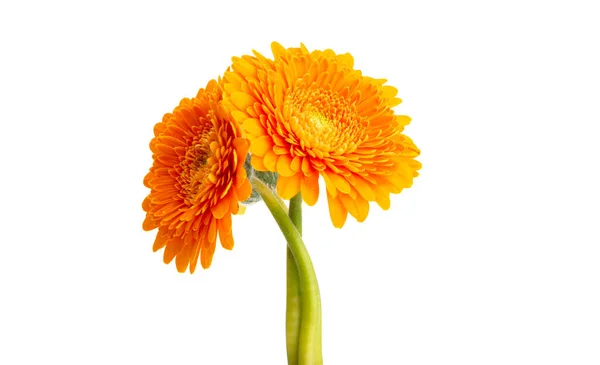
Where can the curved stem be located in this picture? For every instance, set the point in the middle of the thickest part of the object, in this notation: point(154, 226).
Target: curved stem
point(295, 213)
point(310, 300)
point(293, 308)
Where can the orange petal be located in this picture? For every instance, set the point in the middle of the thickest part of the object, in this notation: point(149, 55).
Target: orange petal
point(194, 257)
point(241, 145)
point(244, 191)
point(159, 242)
point(211, 236)
point(221, 208)
point(146, 203)
point(148, 224)
point(173, 247)
point(206, 255)
point(183, 258)
point(225, 233)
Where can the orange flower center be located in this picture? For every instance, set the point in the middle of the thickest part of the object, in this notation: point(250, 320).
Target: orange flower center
point(194, 167)
point(323, 120)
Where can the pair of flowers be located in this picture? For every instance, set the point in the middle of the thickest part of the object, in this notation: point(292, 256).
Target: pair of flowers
point(302, 115)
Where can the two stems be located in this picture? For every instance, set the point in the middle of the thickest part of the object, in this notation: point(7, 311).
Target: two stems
point(303, 289)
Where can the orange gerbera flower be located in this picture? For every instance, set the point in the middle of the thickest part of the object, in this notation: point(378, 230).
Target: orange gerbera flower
point(196, 180)
point(309, 114)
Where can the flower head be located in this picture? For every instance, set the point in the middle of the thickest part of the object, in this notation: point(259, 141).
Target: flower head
point(310, 114)
point(197, 179)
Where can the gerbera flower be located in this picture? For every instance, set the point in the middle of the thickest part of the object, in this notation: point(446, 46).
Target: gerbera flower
point(310, 114)
point(197, 179)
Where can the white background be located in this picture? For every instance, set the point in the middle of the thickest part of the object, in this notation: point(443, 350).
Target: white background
point(491, 258)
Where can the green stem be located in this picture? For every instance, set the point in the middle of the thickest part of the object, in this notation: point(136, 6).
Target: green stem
point(295, 214)
point(293, 308)
point(310, 301)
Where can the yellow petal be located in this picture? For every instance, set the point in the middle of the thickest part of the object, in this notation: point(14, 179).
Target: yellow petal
point(277, 50)
point(244, 67)
point(288, 186)
point(239, 116)
point(242, 100)
point(329, 185)
point(383, 200)
point(254, 127)
point(284, 166)
point(295, 165)
point(363, 187)
point(404, 120)
point(310, 189)
point(257, 163)
point(389, 91)
point(362, 208)
point(339, 181)
point(337, 212)
point(349, 204)
point(307, 168)
point(261, 145)
point(393, 102)
point(346, 59)
point(270, 161)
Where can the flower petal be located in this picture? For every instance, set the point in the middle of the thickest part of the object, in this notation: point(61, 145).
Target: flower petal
point(310, 189)
point(283, 167)
point(288, 186)
point(337, 212)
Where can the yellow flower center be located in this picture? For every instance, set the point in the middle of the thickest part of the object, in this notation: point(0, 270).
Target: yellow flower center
point(323, 121)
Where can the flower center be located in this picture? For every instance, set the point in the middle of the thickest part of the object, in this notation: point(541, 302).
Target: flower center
point(195, 167)
point(323, 120)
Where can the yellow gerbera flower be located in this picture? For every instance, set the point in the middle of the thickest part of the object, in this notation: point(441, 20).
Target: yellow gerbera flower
point(196, 180)
point(311, 113)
